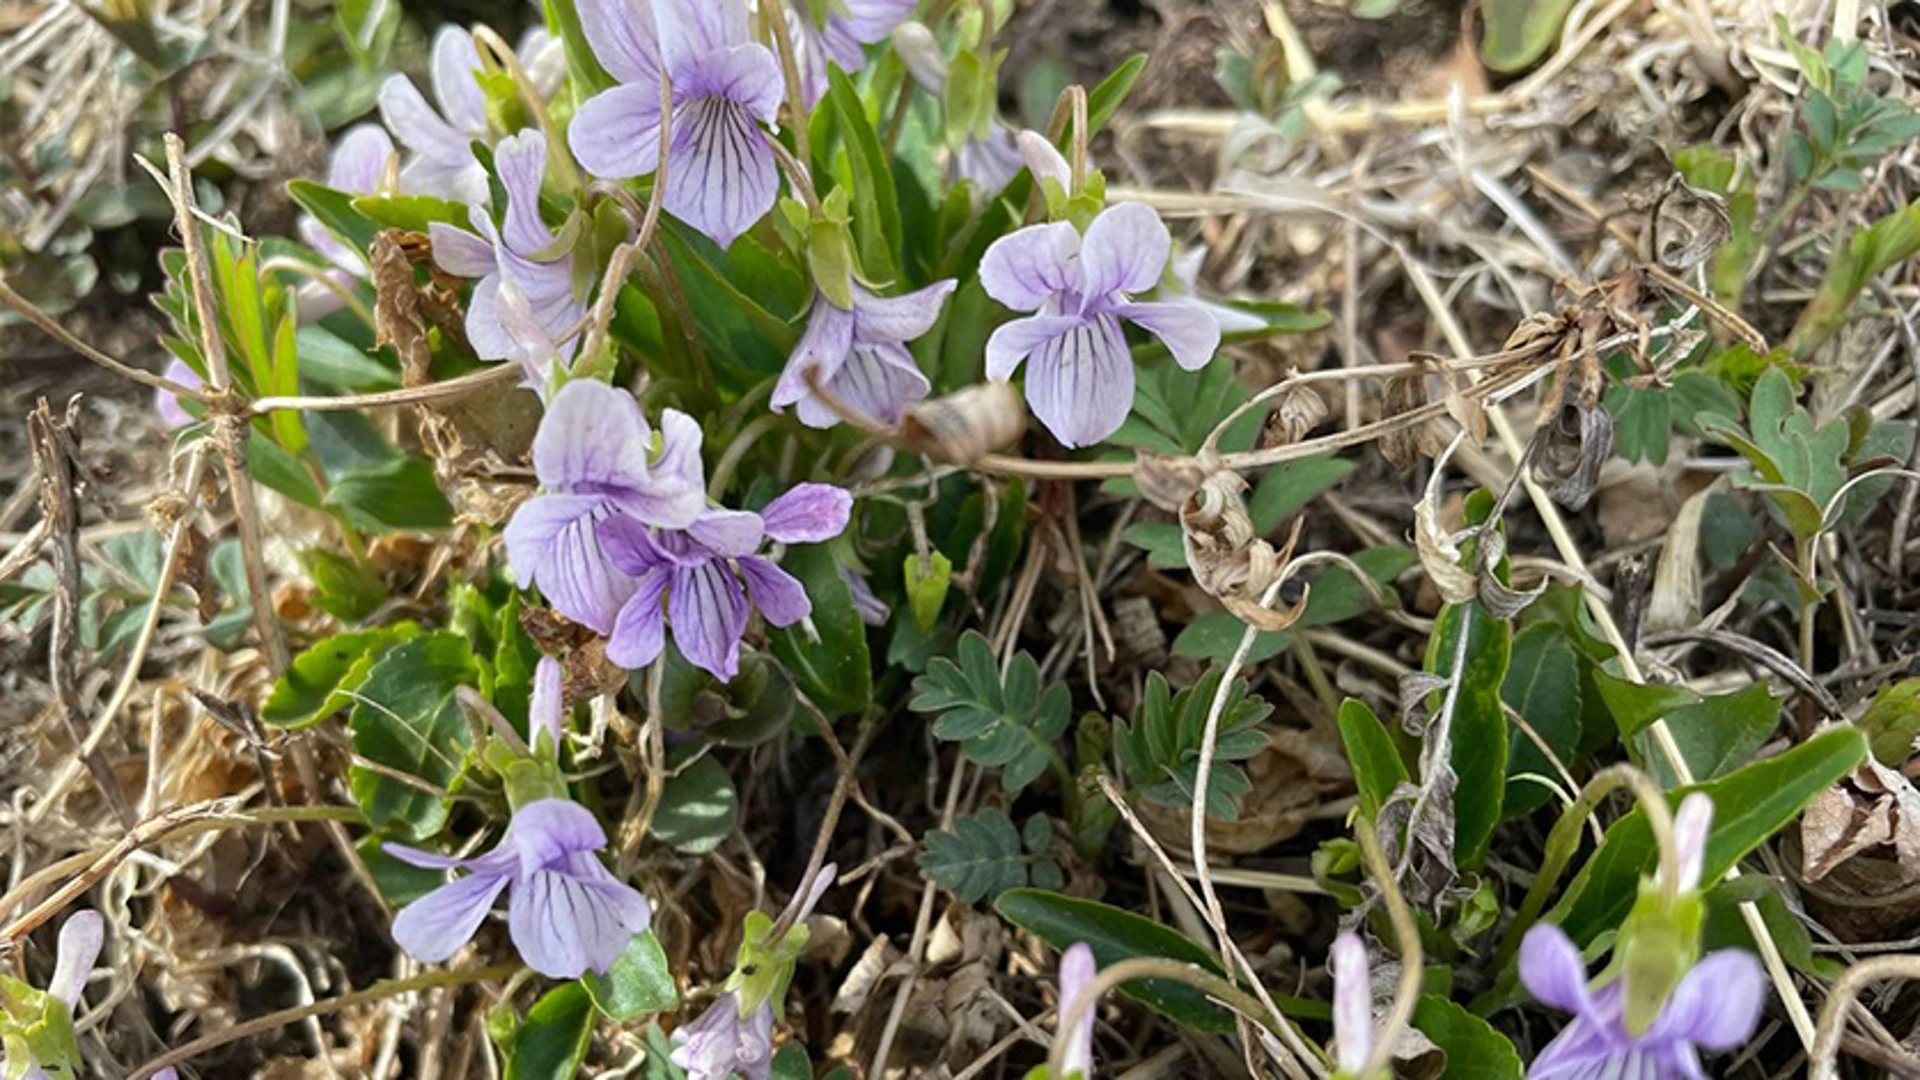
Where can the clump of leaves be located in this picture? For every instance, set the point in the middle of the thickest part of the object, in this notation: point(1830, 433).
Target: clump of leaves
point(1847, 126)
point(983, 855)
point(1002, 720)
point(1160, 749)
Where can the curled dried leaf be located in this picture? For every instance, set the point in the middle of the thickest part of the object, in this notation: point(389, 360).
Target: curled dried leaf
point(965, 426)
point(1229, 559)
point(1686, 225)
point(1439, 555)
point(1415, 688)
point(1573, 443)
point(1404, 446)
point(1299, 411)
point(1501, 599)
point(1167, 482)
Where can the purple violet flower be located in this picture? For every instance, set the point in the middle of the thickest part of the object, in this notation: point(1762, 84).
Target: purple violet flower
point(1080, 373)
point(721, 175)
point(721, 1043)
point(173, 414)
point(566, 911)
point(519, 253)
point(1716, 1006)
point(701, 577)
point(1077, 969)
point(80, 939)
point(1352, 1004)
point(850, 26)
point(593, 457)
point(1183, 285)
point(860, 356)
point(872, 610)
point(358, 165)
point(443, 162)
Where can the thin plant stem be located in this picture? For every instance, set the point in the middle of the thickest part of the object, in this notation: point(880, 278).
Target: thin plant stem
point(27, 310)
point(776, 22)
point(377, 992)
point(1406, 933)
point(1821, 1060)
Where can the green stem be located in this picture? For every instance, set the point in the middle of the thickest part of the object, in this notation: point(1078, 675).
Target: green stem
point(1564, 841)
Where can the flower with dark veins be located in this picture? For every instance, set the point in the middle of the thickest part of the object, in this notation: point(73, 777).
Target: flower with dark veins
point(566, 911)
point(594, 459)
point(521, 252)
point(702, 578)
point(860, 356)
point(721, 174)
point(1080, 375)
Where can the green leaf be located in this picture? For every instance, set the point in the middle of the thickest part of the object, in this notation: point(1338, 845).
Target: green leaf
point(414, 213)
point(1002, 723)
point(979, 858)
point(1892, 721)
point(876, 208)
point(1634, 705)
point(553, 1041)
point(640, 981)
point(1115, 935)
point(281, 471)
point(328, 359)
point(1160, 749)
point(1519, 32)
point(1475, 1051)
point(1864, 256)
point(698, 808)
point(836, 671)
point(405, 718)
point(397, 495)
point(1161, 541)
point(1543, 686)
point(1105, 98)
point(334, 210)
point(1377, 768)
point(1717, 734)
point(792, 1062)
point(1291, 485)
point(1479, 731)
point(1750, 805)
point(321, 679)
point(343, 588)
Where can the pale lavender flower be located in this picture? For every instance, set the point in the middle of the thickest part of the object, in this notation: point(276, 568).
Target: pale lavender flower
point(1080, 373)
point(872, 610)
point(1043, 159)
point(1077, 969)
point(860, 356)
point(850, 26)
point(722, 1043)
point(721, 175)
point(172, 414)
point(546, 711)
point(701, 577)
point(1352, 1003)
point(1715, 1006)
point(357, 167)
point(1691, 824)
point(566, 911)
point(80, 939)
point(519, 253)
point(593, 459)
point(441, 138)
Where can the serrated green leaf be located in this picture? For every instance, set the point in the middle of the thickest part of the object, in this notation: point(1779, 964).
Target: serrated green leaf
point(405, 718)
point(1160, 748)
point(1892, 721)
point(1008, 725)
point(981, 857)
point(321, 677)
